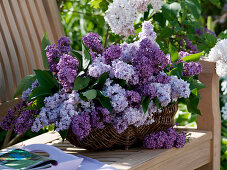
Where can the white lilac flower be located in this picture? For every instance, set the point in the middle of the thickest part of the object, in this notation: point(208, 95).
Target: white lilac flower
point(221, 68)
point(219, 51)
point(179, 88)
point(224, 112)
point(156, 4)
point(218, 54)
point(140, 5)
point(125, 71)
point(121, 16)
point(224, 86)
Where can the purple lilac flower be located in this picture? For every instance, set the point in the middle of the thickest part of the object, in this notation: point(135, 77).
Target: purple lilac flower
point(99, 117)
point(9, 120)
point(206, 30)
point(64, 45)
point(52, 54)
point(92, 41)
point(124, 71)
point(25, 121)
point(149, 60)
point(147, 90)
point(192, 48)
point(160, 78)
point(192, 68)
point(112, 53)
point(180, 140)
point(67, 67)
point(165, 139)
point(81, 125)
point(133, 98)
point(119, 124)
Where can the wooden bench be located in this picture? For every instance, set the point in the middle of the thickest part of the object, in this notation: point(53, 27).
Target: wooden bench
point(22, 26)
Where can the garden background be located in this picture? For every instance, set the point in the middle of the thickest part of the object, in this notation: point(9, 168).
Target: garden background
point(188, 25)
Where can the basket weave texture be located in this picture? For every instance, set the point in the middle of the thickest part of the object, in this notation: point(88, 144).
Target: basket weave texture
point(108, 138)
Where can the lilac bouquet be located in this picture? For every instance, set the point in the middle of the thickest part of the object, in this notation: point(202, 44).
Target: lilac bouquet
point(121, 85)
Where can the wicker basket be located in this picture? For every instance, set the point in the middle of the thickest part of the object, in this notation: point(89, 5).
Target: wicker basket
point(108, 138)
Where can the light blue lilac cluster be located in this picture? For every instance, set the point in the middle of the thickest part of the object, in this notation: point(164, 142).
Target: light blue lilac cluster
point(165, 139)
point(59, 109)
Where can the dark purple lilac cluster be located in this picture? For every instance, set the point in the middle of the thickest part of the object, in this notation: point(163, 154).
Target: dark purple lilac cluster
point(191, 48)
point(205, 30)
point(93, 42)
point(54, 52)
point(112, 53)
point(149, 60)
point(161, 78)
point(22, 119)
point(191, 69)
point(67, 71)
point(25, 121)
point(81, 125)
point(165, 139)
point(64, 45)
point(147, 90)
point(99, 117)
point(134, 98)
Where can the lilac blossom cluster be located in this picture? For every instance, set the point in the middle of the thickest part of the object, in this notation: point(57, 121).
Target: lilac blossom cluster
point(67, 71)
point(19, 117)
point(165, 139)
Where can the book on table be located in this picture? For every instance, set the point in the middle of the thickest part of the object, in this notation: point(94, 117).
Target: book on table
point(22, 159)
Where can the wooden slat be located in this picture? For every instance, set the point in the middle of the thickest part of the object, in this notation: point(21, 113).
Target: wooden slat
point(193, 155)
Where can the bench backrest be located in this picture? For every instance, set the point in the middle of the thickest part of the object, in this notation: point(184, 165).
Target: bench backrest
point(23, 24)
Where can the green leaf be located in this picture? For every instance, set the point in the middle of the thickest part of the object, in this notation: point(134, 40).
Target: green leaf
point(63, 134)
point(196, 84)
point(86, 57)
point(193, 57)
point(104, 101)
point(90, 94)
point(171, 11)
point(157, 103)
point(78, 56)
point(145, 103)
point(44, 44)
point(99, 83)
point(192, 104)
point(46, 79)
point(38, 103)
point(166, 32)
point(223, 34)
point(173, 53)
point(95, 3)
point(175, 72)
point(194, 7)
point(25, 83)
point(39, 91)
point(81, 83)
point(216, 2)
